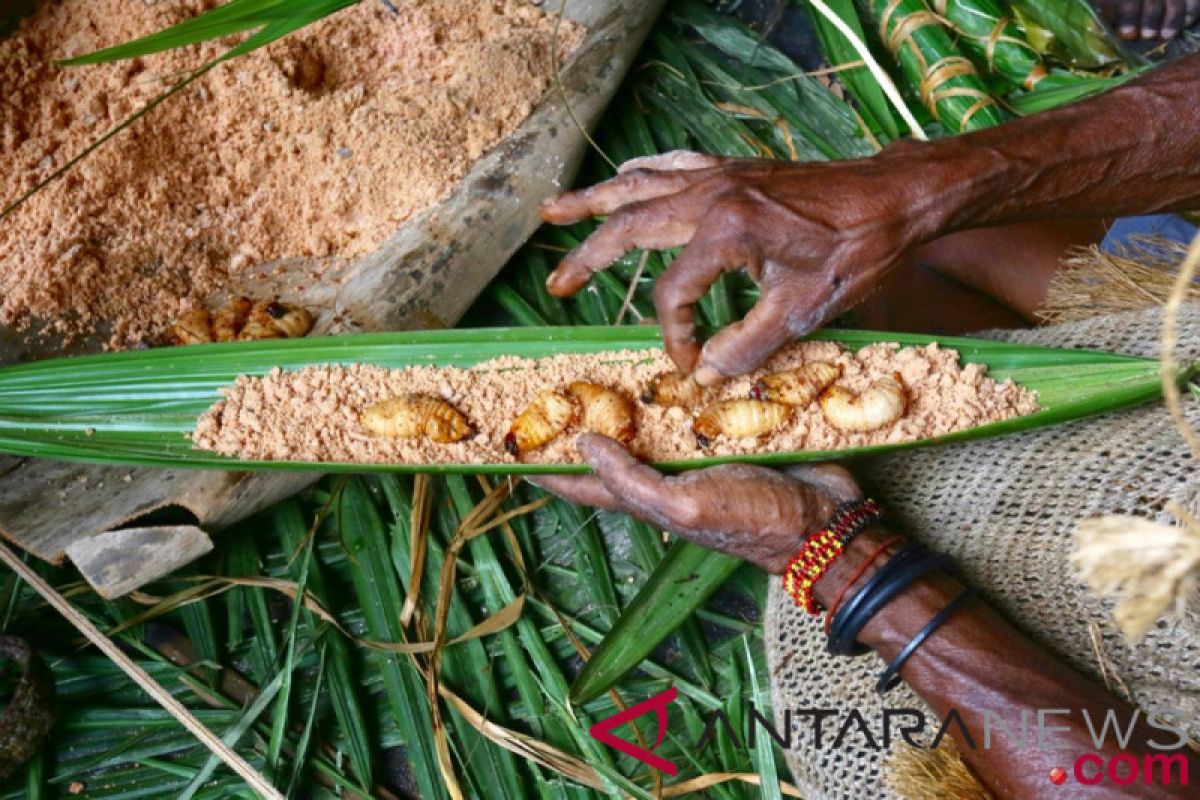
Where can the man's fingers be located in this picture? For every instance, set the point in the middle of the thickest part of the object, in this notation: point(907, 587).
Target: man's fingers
point(1173, 18)
point(651, 225)
point(1129, 17)
point(1152, 18)
point(674, 160)
point(604, 198)
point(683, 284)
point(643, 490)
point(583, 490)
point(831, 480)
point(745, 345)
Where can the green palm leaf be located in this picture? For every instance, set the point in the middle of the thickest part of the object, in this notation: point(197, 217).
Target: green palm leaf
point(270, 19)
point(138, 407)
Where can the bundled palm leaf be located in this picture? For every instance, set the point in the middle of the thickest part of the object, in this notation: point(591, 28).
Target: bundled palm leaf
point(1072, 31)
point(990, 35)
point(946, 81)
point(1018, 42)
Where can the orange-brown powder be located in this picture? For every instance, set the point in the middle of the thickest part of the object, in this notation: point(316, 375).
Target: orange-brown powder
point(313, 414)
point(318, 145)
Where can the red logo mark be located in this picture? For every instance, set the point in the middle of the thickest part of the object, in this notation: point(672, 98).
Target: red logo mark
point(601, 731)
point(1058, 776)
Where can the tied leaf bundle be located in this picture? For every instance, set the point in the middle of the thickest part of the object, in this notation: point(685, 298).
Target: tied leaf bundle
point(853, 74)
point(990, 35)
point(1071, 30)
point(946, 80)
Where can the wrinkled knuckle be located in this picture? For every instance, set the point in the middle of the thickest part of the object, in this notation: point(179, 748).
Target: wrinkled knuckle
point(685, 512)
point(718, 185)
point(638, 175)
point(621, 228)
point(664, 292)
point(798, 321)
point(725, 353)
point(797, 324)
point(735, 216)
point(626, 218)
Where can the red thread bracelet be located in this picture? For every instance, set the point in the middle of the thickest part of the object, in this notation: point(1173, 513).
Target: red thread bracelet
point(862, 570)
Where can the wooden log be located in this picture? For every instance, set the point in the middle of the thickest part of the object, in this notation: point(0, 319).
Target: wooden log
point(117, 562)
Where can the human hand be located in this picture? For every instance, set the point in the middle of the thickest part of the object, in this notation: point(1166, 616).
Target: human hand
point(1149, 19)
point(757, 514)
point(816, 237)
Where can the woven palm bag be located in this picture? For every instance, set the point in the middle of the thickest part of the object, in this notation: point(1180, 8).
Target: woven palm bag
point(1007, 509)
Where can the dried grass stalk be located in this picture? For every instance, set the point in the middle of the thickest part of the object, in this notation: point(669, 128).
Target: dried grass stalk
point(209, 586)
point(915, 773)
point(1150, 568)
point(1093, 282)
point(138, 675)
point(1182, 289)
point(422, 507)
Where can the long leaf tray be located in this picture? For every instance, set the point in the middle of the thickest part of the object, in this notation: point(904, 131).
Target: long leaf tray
point(137, 408)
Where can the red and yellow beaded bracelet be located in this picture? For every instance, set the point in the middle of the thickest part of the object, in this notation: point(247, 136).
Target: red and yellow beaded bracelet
point(823, 548)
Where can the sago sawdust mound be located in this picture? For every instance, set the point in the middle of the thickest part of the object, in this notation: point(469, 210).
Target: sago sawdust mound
point(319, 145)
point(314, 414)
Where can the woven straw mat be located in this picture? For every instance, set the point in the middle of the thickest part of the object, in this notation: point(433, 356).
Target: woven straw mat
point(1006, 509)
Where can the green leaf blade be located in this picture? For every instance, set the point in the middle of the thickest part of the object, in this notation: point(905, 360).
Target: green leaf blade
point(137, 408)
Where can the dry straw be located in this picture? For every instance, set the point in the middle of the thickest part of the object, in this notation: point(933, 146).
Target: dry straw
point(160, 695)
point(878, 72)
point(939, 773)
point(1137, 275)
point(1149, 568)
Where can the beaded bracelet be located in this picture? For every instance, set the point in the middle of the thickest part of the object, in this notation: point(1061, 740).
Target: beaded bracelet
point(890, 677)
point(909, 565)
point(854, 516)
point(821, 549)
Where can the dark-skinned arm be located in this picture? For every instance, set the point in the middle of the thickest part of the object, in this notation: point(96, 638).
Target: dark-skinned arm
point(818, 237)
point(975, 661)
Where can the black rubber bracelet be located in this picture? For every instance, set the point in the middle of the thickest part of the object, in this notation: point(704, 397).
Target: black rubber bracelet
point(890, 678)
point(883, 594)
point(907, 552)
